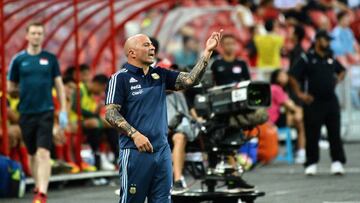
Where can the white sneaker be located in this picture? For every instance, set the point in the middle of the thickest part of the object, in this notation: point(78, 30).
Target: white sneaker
point(311, 170)
point(324, 144)
point(337, 168)
point(105, 164)
point(300, 156)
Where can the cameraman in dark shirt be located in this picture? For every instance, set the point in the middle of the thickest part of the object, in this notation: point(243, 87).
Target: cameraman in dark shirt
point(228, 68)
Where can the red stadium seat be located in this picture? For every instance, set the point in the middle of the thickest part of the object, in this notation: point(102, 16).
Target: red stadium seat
point(204, 3)
point(309, 32)
point(188, 3)
point(221, 3)
point(223, 19)
point(317, 17)
point(355, 26)
point(331, 15)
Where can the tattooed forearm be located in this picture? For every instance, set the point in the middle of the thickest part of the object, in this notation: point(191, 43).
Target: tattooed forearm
point(114, 117)
point(186, 80)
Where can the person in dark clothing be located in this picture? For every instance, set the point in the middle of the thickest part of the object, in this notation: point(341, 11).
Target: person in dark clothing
point(228, 69)
point(136, 105)
point(33, 73)
point(320, 72)
point(298, 36)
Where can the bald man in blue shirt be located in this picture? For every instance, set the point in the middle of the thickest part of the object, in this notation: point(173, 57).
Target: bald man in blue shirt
point(136, 105)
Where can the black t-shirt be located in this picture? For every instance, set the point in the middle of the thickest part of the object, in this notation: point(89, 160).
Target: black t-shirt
point(295, 54)
point(319, 74)
point(229, 72)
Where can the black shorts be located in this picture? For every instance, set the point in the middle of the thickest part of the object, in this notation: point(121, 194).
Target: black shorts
point(37, 130)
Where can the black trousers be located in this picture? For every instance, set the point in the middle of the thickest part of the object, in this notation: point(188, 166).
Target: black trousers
point(315, 115)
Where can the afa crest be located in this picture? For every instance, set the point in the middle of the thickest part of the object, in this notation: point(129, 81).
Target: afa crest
point(155, 76)
point(132, 190)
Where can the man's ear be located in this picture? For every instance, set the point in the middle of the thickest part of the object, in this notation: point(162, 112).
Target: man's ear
point(131, 52)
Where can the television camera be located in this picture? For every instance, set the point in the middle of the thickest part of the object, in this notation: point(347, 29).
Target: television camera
point(229, 110)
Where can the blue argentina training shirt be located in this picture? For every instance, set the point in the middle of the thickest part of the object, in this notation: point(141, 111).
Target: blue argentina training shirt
point(35, 75)
point(143, 101)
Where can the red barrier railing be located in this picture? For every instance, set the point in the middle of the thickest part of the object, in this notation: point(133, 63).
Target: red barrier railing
point(113, 39)
point(161, 23)
point(30, 17)
point(50, 17)
point(22, 8)
point(77, 69)
point(5, 138)
point(102, 23)
point(66, 21)
point(82, 22)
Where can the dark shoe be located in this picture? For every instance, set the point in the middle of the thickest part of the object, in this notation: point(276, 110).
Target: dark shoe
point(178, 188)
point(239, 185)
point(60, 167)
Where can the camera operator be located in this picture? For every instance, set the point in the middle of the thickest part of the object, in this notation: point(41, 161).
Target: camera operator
point(228, 69)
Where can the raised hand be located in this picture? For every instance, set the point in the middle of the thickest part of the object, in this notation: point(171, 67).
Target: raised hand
point(213, 41)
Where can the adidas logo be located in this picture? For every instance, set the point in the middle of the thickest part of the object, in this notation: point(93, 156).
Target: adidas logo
point(132, 80)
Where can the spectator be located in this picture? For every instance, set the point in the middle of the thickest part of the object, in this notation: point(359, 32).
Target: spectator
point(244, 14)
point(321, 72)
point(16, 145)
point(344, 41)
point(353, 3)
point(269, 47)
point(297, 37)
point(93, 124)
point(293, 10)
point(187, 56)
point(294, 113)
point(325, 5)
point(63, 148)
point(267, 11)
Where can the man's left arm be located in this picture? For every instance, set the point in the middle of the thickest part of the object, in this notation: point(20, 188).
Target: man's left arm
point(340, 71)
point(186, 80)
point(60, 90)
